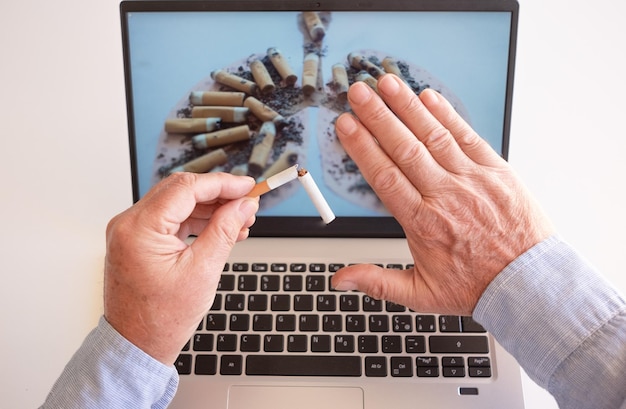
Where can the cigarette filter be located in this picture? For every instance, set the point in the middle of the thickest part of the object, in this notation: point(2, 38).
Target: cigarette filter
point(235, 82)
point(309, 74)
point(316, 196)
point(226, 114)
point(391, 66)
point(262, 150)
point(262, 77)
point(275, 181)
point(217, 98)
point(222, 137)
point(262, 111)
point(203, 163)
point(359, 62)
point(340, 80)
point(191, 125)
point(368, 79)
point(282, 66)
point(314, 25)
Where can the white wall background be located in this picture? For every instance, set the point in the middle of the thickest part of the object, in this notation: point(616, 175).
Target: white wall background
point(65, 166)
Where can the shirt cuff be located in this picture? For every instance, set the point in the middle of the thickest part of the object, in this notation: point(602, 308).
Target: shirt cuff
point(544, 305)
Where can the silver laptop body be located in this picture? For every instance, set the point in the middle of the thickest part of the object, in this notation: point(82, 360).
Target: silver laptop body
point(253, 87)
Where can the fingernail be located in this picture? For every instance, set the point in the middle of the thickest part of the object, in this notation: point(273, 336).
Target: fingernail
point(389, 85)
point(359, 93)
point(346, 285)
point(346, 124)
point(429, 97)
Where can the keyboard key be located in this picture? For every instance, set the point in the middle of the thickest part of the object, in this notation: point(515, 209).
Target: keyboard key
point(317, 268)
point(469, 325)
point(344, 343)
point(402, 323)
point(449, 323)
point(371, 305)
point(378, 323)
point(297, 267)
point(247, 282)
point(292, 283)
point(250, 343)
point(475, 372)
point(217, 303)
point(227, 342)
point(460, 344)
point(216, 322)
point(326, 302)
point(257, 302)
point(453, 372)
point(262, 322)
point(183, 364)
point(303, 365)
point(285, 323)
point(415, 344)
point(240, 267)
point(315, 283)
point(303, 302)
point(273, 343)
point(480, 361)
point(280, 302)
point(278, 267)
point(376, 366)
point(270, 283)
point(427, 361)
point(332, 323)
point(427, 367)
point(227, 283)
point(393, 307)
point(239, 322)
point(334, 267)
point(355, 323)
point(206, 365)
point(452, 361)
point(401, 367)
point(309, 322)
point(348, 302)
point(297, 343)
point(392, 344)
point(259, 267)
point(234, 302)
point(320, 343)
point(231, 365)
point(368, 344)
point(203, 342)
point(425, 323)
point(395, 266)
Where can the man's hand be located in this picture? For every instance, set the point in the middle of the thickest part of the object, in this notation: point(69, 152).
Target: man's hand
point(465, 213)
point(157, 287)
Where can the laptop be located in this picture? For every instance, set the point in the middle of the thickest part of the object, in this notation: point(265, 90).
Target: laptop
point(254, 87)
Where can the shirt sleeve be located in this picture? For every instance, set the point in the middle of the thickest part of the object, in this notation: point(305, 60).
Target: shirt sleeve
point(563, 322)
point(108, 371)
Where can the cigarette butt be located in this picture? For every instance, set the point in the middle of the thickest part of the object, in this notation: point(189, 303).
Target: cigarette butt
point(391, 66)
point(262, 111)
point(314, 25)
point(191, 125)
point(309, 73)
point(262, 77)
point(235, 82)
point(222, 137)
point(226, 114)
point(240, 170)
point(368, 79)
point(316, 196)
point(285, 160)
point(282, 66)
point(340, 80)
point(204, 163)
point(262, 150)
point(217, 98)
point(359, 62)
point(274, 181)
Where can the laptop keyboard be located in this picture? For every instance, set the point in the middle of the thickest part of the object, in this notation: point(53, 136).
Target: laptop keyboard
point(280, 319)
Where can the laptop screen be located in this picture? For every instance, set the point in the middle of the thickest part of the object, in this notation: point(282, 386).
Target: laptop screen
point(253, 88)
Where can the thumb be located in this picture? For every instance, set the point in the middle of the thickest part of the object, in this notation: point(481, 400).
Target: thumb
point(377, 282)
point(224, 229)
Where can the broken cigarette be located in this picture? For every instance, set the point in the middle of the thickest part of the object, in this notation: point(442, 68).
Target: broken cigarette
point(309, 73)
point(235, 82)
point(359, 62)
point(261, 151)
point(226, 114)
point(222, 137)
point(340, 81)
point(218, 98)
point(203, 163)
point(282, 66)
point(262, 77)
point(314, 25)
point(275, 181)
point(191, 125)
point(316, 196)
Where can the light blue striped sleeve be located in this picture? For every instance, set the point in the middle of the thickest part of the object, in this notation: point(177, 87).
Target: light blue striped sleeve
point(109, 372)
point(564, 324)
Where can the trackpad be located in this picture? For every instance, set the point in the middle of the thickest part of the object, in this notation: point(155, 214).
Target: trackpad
point(289, 397)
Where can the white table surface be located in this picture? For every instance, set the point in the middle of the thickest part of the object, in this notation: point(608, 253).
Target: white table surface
point(62, 83)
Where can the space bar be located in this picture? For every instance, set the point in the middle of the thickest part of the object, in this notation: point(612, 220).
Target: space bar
point(303, 365)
